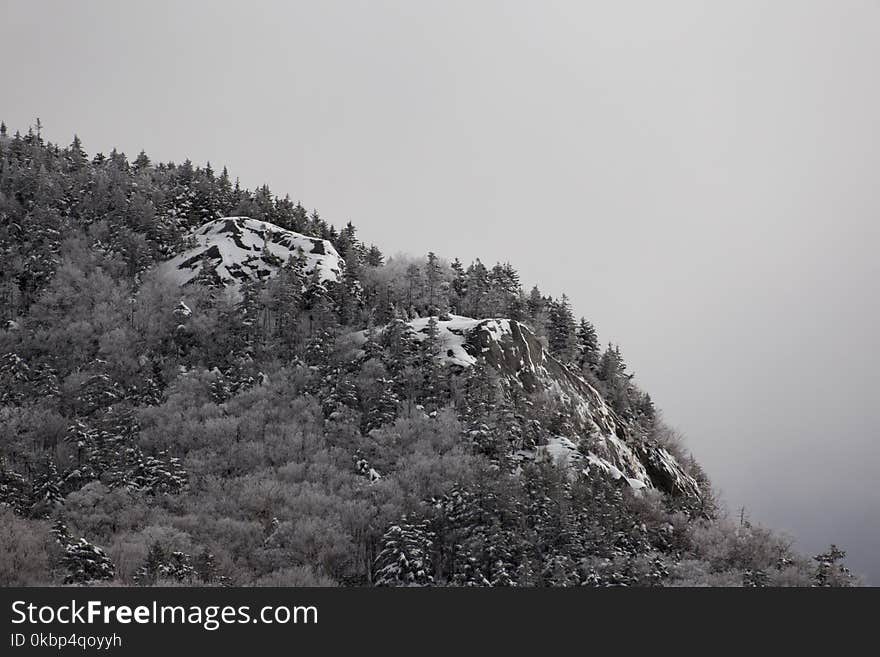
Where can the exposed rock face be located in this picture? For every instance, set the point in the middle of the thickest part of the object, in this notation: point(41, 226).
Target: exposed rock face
point(234, 249)
point(518, 355)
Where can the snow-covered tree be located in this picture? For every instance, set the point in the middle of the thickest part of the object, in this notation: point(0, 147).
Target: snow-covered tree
point(83, 561)
point(405, 556)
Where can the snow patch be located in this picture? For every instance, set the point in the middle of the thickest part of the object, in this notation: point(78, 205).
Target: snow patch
point(452, 334)
point(561, 448)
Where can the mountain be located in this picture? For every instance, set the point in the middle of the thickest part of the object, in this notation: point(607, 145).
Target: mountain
point(232, 249)
point(349, 420)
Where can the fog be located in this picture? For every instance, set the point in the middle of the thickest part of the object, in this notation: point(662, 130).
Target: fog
point(700, 178)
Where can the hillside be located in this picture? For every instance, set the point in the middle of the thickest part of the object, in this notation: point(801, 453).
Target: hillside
point(206, 385)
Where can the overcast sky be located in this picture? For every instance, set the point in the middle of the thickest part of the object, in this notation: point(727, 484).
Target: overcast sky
point(700, 178)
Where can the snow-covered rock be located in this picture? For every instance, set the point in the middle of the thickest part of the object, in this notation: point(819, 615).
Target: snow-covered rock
point(239, 248)
point(518, 355)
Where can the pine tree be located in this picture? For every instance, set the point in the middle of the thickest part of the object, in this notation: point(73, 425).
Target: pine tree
point(179, 568)
point(348, 245)
point(399, 344)
point(433, 279)
point(76, 156)
point(205, 567)
point(383, 409)
point(371, 347)
point(225, 199)
point(516, 307)
point(621, 394)
point(284, 294)
point(431, 393)
point(15, 490)
point(151, 569)
point(250, 315)
point(646, 408)
point(319, 349)
point(97, 393)
point(413, 286)
point(383, 308)
point(61, 533)
point(561, 330)
point(16, 379)
point(588, 352)
point(374, 257)
point(405, 556)
point(319, 305)
point(153, 475)
point(348, 292)
point(611, 365)
point(142, 162)
point(503, 290)
point(47, 491)
point(83, 561)
point(479, 413)
point(485, 547)
point(830, 570)
point(342, 394)
point(508, 421)
point(459, 286)
point(535, 303)
point(476, 289)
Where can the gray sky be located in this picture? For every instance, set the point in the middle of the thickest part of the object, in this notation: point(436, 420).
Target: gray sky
point(700, 178)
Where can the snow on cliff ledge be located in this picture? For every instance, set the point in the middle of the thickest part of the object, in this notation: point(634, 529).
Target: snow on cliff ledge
point(518, 355)
point(240, 248)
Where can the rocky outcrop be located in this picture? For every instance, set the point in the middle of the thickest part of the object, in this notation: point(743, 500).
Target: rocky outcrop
point(231, 250)
point(517, 354)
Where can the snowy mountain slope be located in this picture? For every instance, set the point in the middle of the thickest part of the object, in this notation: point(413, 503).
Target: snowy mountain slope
point(239, 248)
point(518, 355)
